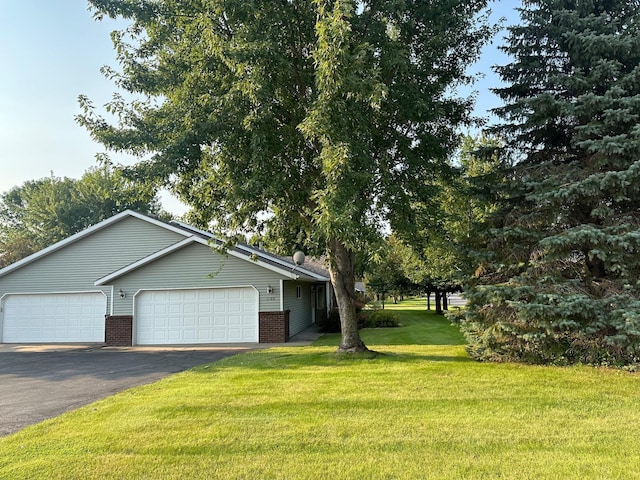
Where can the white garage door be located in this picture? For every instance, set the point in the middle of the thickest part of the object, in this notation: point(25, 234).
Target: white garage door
point(54, 318)
point(208, 315)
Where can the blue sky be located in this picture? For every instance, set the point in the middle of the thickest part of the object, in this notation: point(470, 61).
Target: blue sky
point(51, 51)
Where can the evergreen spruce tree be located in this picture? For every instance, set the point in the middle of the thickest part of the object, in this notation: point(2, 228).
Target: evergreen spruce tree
point(561, 280)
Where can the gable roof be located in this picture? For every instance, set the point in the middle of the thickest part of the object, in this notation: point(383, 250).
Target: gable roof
point(74, 238)
point(312, 268)
point(191, 234)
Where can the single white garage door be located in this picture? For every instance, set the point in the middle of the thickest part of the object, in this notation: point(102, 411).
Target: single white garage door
point(207, 315)
point(54, 318)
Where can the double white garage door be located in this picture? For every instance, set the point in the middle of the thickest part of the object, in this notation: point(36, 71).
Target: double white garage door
point(187, 316)
point(208, 315)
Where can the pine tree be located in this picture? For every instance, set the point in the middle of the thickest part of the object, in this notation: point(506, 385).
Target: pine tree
point(561, 283)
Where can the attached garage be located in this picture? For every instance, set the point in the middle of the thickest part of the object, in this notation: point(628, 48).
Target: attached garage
point(54, 317)
point(199, 315)
point(137, 280)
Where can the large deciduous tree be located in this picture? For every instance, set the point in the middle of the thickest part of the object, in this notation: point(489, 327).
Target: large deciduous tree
point(561, 281)
point(317, 120)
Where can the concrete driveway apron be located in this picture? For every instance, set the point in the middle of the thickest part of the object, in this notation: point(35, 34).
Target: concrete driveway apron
point(40, 382)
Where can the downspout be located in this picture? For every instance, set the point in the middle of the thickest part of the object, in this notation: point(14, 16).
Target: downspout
point(111, 302)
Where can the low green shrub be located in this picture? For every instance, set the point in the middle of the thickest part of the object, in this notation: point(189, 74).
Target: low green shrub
point(366, 319)
point(378, 319)
point(331, 323)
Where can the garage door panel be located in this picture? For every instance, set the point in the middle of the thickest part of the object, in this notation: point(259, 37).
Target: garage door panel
point(220, 335)
point(189, 322)
point(197, 316)
point(171, 335)
point(205, 322)
point(160, 323)
point(54, 318)
point(189, 335)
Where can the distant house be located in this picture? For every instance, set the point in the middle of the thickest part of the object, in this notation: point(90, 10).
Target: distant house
point(135, 280)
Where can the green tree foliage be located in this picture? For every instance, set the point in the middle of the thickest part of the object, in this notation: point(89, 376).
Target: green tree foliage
point(42, 212)
point(445, 240)
point(385, 275)
point(561, 281)
point(311, 120)
point(475, 192)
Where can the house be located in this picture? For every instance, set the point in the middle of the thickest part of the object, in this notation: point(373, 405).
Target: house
point(136, 280)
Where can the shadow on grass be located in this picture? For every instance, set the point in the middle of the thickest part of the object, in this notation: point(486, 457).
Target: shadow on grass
point(422, 337)
point(412, 357)
point(311, 357)
point(418, 327)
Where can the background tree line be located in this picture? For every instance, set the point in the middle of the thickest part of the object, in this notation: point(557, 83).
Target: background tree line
point(434, 259)
point(41, 212)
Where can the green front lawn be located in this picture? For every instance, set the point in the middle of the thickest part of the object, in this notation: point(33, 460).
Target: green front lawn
point(423, 410)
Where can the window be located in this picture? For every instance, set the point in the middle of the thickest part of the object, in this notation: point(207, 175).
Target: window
point(298, 291)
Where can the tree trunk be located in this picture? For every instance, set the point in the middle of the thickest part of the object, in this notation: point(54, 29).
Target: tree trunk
point(428, 300)
point(445, 301)
point(438, 302)
point(341, 268)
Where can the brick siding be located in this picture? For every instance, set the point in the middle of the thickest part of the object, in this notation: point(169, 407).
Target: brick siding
point(118, 330)
point(274, 327)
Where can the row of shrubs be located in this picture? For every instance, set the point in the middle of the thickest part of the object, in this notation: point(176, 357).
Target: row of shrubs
point(366, 319)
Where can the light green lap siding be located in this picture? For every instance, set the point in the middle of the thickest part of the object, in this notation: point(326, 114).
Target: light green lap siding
point(78, 265)
point(300, 308)
point(192, 267)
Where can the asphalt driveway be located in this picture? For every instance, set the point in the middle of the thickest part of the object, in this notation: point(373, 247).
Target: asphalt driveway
point(37, 383)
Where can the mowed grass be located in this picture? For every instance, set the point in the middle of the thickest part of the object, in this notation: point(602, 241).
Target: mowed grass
point(422, 410)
